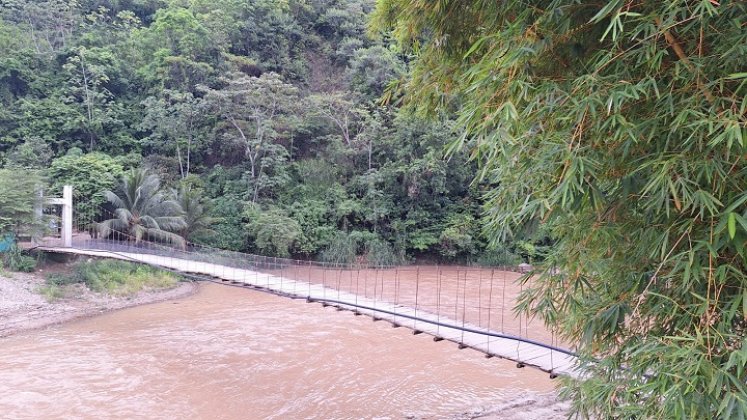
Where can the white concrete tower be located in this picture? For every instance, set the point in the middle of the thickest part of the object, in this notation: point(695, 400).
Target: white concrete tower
point(67, 216)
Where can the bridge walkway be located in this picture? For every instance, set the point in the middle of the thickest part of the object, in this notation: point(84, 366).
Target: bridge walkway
point(522, 350)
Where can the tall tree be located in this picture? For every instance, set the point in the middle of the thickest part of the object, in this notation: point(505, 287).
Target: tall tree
point(258, 112)
point(176, 121)
point(87, 89)
point(619, 125)
point(181, 52)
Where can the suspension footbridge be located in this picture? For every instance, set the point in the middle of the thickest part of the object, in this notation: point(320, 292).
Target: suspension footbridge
point(469, 306)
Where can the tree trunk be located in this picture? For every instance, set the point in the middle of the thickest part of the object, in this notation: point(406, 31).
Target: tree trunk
point(179, 157)
point(89, 101)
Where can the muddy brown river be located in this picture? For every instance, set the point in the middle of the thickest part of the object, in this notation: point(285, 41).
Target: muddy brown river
point(230, 353)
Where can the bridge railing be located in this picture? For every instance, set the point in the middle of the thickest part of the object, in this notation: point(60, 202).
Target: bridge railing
point(472, 298)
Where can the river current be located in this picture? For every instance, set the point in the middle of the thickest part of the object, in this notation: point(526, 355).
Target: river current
point(230, 353)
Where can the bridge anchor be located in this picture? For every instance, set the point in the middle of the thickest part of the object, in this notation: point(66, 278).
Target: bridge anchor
point(437, 339)
point(416, 332)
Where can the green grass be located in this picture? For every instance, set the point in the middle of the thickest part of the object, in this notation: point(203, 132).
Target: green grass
point(52, 292)
point(116, 278)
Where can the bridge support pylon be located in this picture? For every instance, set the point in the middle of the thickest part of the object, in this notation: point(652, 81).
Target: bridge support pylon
point(66, 202)
point(67, 216)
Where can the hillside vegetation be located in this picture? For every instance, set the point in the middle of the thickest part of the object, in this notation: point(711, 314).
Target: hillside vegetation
point(266, 114)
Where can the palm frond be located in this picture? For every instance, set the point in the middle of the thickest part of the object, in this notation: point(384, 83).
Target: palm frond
point(124, 215)
point(144, 211)
point(171, 223)
point(114, 199)
point(167, 237)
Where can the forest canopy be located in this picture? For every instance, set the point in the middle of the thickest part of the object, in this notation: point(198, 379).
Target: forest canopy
point(268, 113)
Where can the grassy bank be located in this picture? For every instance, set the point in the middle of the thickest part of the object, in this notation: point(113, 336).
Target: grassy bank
point(116, 278)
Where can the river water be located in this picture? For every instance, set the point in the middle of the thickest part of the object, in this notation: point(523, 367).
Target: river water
point(230, 353)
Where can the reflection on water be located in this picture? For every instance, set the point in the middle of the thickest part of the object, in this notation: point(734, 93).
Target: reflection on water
point(229, 353)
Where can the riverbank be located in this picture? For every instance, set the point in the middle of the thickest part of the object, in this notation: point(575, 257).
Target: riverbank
point(24, 306)
point(533, 406)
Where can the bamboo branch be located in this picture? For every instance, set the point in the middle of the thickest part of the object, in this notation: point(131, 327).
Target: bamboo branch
point(674, 43)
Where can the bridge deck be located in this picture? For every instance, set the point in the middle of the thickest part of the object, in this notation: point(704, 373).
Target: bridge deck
point(493, 343)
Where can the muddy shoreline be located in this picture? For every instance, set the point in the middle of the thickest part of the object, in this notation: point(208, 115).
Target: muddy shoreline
point(23, 308)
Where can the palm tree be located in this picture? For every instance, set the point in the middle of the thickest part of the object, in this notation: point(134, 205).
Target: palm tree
point(143, 211)
point(195, 211)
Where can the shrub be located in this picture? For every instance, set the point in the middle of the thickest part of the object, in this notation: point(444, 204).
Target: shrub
point(274, 233)
point(52, 292)
point(380, 254)
point(499, 256)
point(342, 249)
point(16, 260)
point(455, 242)
point(62, 279)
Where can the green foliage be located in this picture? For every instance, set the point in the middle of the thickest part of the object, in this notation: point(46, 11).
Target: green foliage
point(458, 236)
point(273, 103)
point(228, 213)
point(16, 260)
point(34, 153)
point(196, 211)
point(90, 175)
point(20, 192)
point(317, 221)
point(180, 48)
point(372, 70)
point(380, 254)
point(342, 249)
point(360, 247)
point(499, 256)
point(117, 278)
point(52, 292)
point(175, 120)
point(144, 211)
point(619, 127)
point(94, 108)
point(257, 113)
point(273, 232)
